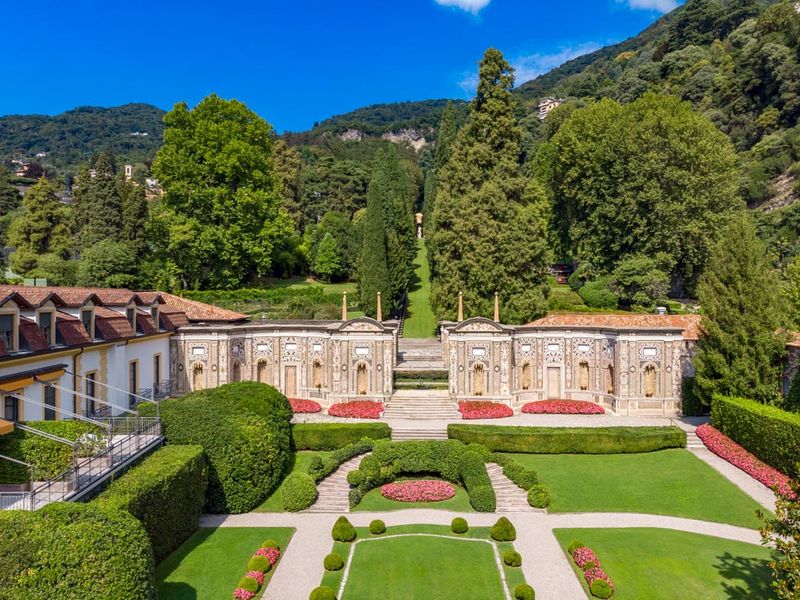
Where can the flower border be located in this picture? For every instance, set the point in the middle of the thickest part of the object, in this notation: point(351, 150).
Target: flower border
point(563, 407)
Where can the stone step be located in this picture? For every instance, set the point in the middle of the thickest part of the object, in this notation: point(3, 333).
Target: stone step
point(418, 434)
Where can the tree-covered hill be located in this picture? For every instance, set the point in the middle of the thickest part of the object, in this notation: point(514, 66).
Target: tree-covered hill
point(70, 138)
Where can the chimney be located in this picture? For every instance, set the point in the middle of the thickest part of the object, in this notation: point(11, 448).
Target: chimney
point(661, 310)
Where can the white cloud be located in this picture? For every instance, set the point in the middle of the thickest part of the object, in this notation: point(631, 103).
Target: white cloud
point(662, 6)
point(472, 6)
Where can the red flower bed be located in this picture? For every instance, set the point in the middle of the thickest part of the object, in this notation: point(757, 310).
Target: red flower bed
point(584, 555)
point(726, 448)
point(272, 554)
point(360, 409)
point(483, 409)
point(304, 406)
point(563, 407)
point(426, 490)
point(586, 560)
point(596, 573)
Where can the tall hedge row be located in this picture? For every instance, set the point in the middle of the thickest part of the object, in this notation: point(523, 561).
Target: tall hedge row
point(332, 436)
point(73, 551)
point(244, 429)
point(166, 493)
point(569, 440)
point(770, 433)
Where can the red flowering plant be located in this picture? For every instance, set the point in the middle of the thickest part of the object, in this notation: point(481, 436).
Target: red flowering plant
point(359, 409)
point(484, 409)
point(726, 448)
point(425, 490)
point(563, 407)
point(304, 406)
point(257, 575)
point(243, 594)
point(272, 554)
point(595, 573)
point(583, 556)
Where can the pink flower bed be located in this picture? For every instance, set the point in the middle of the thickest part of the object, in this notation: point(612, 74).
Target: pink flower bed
point(359, 409)
point(304, 406)
point(426, 490)
point(272, 555)
point(563, 407)
point(257, 575)
point(584, 555)
point(595, 573)
point(243, 594)
point(726, 448)
point(483, 409)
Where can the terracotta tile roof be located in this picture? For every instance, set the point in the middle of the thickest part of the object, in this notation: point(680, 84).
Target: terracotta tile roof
point(144, 323)
point(31, 336)
point(197, 311)
point(150, 297)
point(172, 319)
point(7, 294)
point(112, 325)
point(66, 296)
point(689, 324)
point(70, 330)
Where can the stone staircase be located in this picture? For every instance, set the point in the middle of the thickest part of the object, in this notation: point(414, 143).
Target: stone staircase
point(693, 442)
point(422, 405)
point(332, 492)
point(420, 355)
point(510, 497)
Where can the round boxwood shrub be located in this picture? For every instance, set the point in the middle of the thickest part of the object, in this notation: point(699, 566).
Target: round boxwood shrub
point(459, 525)
point(244, 429)
point(503, 531)
point(259, 563)
point(333, 562)
point(483, 498)
point(298, 492)
point(539, 496)
point(524, 592)
point(512, 558)
point(574, 546)
point(377, 527)
point(355, 478)
point(589, 564)
point(322, 593)
point(343, 530)
point(270, 543)
point(249, 584)
point(601, 589)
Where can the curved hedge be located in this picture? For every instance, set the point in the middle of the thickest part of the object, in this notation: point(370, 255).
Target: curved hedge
point(245, 431)
point(770, 433)
point(166, 493)
point(332, 436)
point(569, 440)
point(74, 551)
point(320, 467)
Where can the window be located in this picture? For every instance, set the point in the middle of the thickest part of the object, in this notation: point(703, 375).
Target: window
point(86, 319)
point(156, 369)
point(49, 393)
point(131, 314)
point(46, 325)
point(154, 314)
point(133, 379)
point(11, 408)
point(91, 391)
point(583, 376)
point(7, 330)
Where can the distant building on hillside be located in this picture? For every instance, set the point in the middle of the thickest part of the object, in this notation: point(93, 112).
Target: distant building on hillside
point(128, 172)
point(548, 104)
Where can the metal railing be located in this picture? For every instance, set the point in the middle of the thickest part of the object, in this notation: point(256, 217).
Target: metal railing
point(159, 391)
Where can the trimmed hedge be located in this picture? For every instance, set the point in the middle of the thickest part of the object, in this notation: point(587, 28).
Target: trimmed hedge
point(503, 531)
point(377, 527)
point(166, 493)
point(569, 440)
point(298, 492)
point(331, 436)
point(74, 551)
point(539, 496)
point(343, 530)
point(690, 401)
point(459, 525)
point(322, 593)
point(50, 458)
point(770, 433)
point(319, 468)
point(524, 592)
point(245, 431)
point(333, 562)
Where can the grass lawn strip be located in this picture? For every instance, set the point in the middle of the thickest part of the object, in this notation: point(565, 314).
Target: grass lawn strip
point(420, 321)
point(668, 482)
point(374, 502)
point(501, 570)
point(211, 562)
point(663, 564)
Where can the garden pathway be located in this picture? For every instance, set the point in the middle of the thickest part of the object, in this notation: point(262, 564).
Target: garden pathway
point(510, 497)
point(333, 491)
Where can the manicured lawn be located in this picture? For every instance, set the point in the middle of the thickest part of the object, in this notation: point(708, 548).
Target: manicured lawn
point(210, 563)
point(420, 321)
point(301, 462)
point(373, 501)
point(421, 568)
point(668, 482)
point(661, 564)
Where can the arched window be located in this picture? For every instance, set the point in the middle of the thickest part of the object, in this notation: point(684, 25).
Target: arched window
point(649, 381)
point(527, 375)
point(362, 379)
point(583, 375)
point(262, 371)
point(198, 377)
point(610, 379)
point(316, 374)
point(478, 380)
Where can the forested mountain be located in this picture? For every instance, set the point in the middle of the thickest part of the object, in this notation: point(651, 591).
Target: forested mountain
point(72, 137)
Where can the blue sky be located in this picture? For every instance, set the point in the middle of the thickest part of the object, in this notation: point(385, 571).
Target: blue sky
point(292, 62)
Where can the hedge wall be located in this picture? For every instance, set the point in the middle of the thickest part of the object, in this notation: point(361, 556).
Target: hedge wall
point(50, 458)
point(245, 431)
point(73, 551)
point(569, 440)
point(770, 433)
point(331, 436)
point(166, 493)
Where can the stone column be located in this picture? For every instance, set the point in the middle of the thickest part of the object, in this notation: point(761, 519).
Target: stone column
point(460, 306)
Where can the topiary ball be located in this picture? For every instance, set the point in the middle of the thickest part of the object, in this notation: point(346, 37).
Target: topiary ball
point(459, 525)
point(539, 496)
point(259, 563)
point(334, 562)
point(601, 589)
point(589, 565)
point(512, 558)
point(524, 592)
point(355, 478)
point(343, 530)
point(249, 584)
point(298, 492)
point(377, 527)
point(574, 546)
point(270, 544)
point(503, 531)
point(322, 593)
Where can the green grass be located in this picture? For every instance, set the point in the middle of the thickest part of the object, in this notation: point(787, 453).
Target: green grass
point(297, 283)
point(421, 568)
point(661, 564)
point(373, 501)
point(420, 321)
point(210, 563)
point(668, 482)
point(301, 462)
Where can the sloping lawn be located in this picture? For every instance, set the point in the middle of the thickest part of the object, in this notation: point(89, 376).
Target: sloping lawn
point(661, 564)
point(210, 563)
point(374, 502)
point(668, 482)
point(301, 462)
point(420, 321)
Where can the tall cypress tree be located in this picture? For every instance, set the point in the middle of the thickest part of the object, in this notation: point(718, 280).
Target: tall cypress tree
point(444, 142)
point(10, 198)
point(133, 216)
point(490, 221)
point(742, 350)
point(97, 203)
point(374, 268)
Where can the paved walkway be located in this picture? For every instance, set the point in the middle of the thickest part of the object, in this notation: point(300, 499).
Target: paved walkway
point(333, 491)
